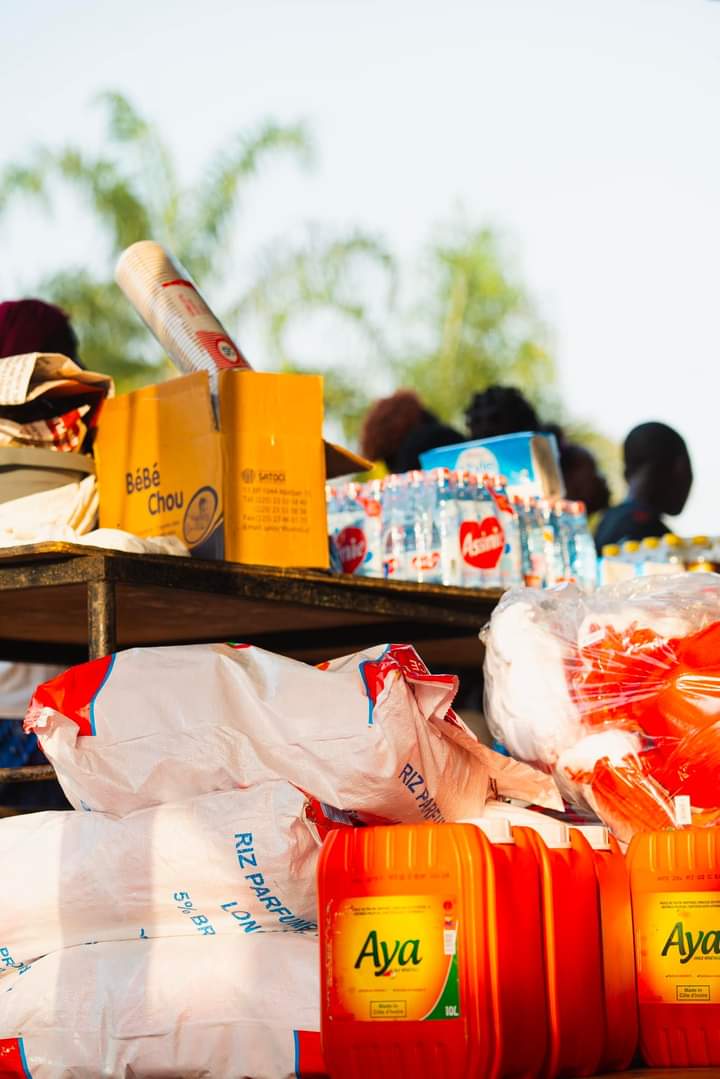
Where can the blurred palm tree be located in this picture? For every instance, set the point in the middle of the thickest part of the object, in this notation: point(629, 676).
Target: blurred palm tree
point(471, 322)
point(475, 326)
point(135, 193)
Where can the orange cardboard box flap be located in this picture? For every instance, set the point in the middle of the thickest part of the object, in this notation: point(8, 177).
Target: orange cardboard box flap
point(274, 468)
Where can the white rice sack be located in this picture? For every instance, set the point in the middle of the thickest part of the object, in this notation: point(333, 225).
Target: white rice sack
point(366, 734)
point(239, 862)
point(183, 1007)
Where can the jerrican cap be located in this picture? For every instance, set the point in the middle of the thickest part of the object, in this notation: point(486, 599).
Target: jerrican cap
point(497, 829)
point(597, 835)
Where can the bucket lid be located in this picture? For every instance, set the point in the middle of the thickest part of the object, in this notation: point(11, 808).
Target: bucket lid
point(597, 835)
point(497, 829)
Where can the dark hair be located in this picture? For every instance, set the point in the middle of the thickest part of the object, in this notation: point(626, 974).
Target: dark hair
point(35, 326)
point(388, 423)
point(500, 410)
point(428, 436)
point(652, 443)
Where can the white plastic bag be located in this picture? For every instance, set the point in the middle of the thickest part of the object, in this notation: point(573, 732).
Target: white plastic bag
point(239, 862)
point(186, 1008)
point(370, 734)
point(616, 693)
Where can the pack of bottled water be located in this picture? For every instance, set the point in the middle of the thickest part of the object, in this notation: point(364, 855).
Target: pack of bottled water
point(665, 555)
point(457, 528)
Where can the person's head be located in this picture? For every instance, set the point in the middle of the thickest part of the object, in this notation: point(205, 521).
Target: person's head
point(428, 436)
point(388, 423)
point(657, 467)
point(397, 429)
point(500, 410)
point(35, 326)
point(583, 480)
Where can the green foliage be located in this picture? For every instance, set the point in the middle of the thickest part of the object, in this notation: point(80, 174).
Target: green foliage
point(472, 324)
point(135, 194)
point(477, 326)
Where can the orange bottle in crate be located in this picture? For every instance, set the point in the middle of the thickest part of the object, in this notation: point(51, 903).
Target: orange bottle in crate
point(523, 1005)
point(409, 953)
point(571, 930)
point(675, 885)
point(621, 1016)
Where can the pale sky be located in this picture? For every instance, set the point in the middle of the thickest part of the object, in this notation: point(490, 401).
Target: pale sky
point(587, 130)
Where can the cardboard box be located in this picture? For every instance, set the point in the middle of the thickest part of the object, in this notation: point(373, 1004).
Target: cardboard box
point(530, 462)
point(160, 464)
point(254, 491)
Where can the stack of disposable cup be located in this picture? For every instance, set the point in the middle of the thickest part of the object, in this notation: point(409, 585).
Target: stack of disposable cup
point(171, 307)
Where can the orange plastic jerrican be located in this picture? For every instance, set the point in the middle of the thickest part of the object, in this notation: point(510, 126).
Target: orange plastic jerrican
point(523, 1005)
point(573, 952)
point(621, 1016)
point(675, 885)
point(409, 953)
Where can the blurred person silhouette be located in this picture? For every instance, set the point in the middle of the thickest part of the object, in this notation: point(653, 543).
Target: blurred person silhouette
point(500, 410)
point(397, 429)
point(28, 326)
point(35, 326)
point(584, 482)
point(504, 410)
point(659, 476)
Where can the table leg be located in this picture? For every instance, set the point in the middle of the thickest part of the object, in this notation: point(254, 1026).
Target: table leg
point(102, 618)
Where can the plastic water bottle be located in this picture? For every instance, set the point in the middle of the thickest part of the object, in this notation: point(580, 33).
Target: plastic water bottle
point(331, 503)
point(583, 557)
point(393, 527)
point(652, 558)
point(470, 574)
point(611, 568)
point(489, 546)
point(674, 551)
point(446, 511)
point(423, 553)
point(563, 541)
point(552, 541)
point(699, 556)
point(632, 555)
point(349, 529)
point(532, 542)
point(511, 572)
point(371, 501)
point(333, 525)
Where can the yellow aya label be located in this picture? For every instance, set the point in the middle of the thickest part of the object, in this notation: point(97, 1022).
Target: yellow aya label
point(678, 947)
point(394, 957)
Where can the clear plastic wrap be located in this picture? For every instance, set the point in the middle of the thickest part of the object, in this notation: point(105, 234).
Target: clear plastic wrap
point(617, 694)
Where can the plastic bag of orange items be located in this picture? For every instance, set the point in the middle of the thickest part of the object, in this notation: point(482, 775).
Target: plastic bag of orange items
point(616, 693)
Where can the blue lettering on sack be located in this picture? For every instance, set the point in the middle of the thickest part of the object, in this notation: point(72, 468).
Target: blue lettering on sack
point(247, 858)
point(7, 961)
point(415, 782)
point(200, 921)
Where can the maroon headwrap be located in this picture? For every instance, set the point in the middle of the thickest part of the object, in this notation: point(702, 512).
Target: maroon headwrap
point(35, 326)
